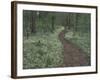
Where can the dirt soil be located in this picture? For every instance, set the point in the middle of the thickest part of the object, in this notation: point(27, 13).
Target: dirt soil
point(73, 55)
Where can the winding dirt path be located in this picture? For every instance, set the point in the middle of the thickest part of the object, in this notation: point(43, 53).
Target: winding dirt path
point(73, 56)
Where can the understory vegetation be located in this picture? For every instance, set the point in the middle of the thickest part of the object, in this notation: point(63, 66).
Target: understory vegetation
point(43, 50)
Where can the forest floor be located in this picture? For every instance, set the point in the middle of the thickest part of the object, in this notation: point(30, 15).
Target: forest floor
point(57, 49)
point(73, 55)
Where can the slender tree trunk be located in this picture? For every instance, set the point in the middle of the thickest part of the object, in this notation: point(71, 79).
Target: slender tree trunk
point(75, 24)
point(52, 22)
point(33, 22)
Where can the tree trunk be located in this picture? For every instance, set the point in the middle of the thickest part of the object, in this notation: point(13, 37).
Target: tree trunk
point(33, 17)
point(52, 22)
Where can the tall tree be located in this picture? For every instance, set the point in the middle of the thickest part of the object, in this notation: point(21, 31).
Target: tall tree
point(52, 22)
point(33, 17)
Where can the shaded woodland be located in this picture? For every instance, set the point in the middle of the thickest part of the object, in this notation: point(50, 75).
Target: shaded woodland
point(42, 47)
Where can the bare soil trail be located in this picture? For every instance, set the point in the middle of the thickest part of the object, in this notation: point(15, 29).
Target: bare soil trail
point(73, 56)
